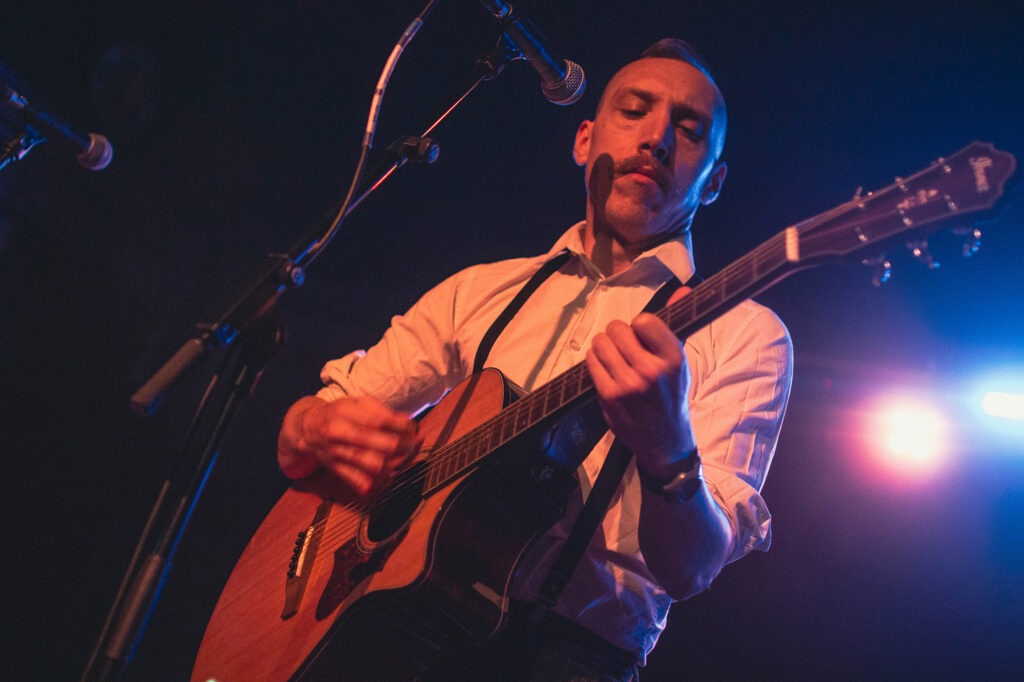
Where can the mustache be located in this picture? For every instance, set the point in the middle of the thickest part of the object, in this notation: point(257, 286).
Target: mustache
point(647, 165)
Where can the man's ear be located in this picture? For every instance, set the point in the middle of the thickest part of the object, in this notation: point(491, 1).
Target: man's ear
point(581, 148)
point(713, 186)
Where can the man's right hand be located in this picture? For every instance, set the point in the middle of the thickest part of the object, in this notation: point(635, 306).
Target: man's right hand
point(358, 442)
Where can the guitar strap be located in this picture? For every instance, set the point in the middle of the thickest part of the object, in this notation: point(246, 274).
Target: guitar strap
point(616, 462)
point(560, 259)
point(594, 509)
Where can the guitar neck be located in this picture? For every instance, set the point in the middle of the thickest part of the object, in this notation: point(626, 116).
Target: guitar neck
point(752, 273)
point(745, 277)
point(969, 181)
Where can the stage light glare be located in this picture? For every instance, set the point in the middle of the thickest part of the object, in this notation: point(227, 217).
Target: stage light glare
point(910, 438)
point(1002, 404)
point(913, 432)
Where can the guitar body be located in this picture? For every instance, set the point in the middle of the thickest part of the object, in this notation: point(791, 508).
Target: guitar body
point(442, 558)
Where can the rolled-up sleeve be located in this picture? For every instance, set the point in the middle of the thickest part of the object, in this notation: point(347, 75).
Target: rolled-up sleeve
point(413, 364)
point(741, 366)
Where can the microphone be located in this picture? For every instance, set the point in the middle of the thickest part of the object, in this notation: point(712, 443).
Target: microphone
point(561, 81)
point(94, 151)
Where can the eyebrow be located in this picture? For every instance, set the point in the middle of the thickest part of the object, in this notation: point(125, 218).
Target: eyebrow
point(686, 108)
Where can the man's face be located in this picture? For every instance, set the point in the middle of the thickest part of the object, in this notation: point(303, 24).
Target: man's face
point(651, 151)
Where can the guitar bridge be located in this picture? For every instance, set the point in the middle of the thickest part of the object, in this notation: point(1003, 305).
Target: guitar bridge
point(307, 543)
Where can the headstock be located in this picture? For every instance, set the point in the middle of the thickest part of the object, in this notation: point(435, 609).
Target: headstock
point(969, 181)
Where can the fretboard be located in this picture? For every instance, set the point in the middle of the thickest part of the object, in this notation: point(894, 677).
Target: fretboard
point(748, 275)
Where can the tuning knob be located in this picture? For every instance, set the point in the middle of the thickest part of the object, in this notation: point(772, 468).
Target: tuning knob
point(919, 249)
point(881, 269)
point(972, 239)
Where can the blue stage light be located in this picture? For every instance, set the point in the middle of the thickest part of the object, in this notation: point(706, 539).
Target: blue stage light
point(1003, 404)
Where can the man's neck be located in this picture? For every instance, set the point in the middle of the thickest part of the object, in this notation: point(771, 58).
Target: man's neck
point(611, 253)
point(607, 253)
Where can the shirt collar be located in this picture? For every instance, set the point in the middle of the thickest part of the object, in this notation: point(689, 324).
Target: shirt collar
point(674, 256)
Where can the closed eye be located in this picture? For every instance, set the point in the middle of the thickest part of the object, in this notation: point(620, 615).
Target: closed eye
point(690, 132)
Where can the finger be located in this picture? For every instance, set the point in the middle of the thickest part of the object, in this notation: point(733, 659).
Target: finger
point(655, 336)
point(598, 372)
point(369, 462)
point(647, 346)
point(369, 424)
point(372, 413)
point(605, 351)
point(625, 359)
point(613, 379)
point(361, 480)
point(406, 452)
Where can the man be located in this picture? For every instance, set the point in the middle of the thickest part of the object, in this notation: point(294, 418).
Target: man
point(652, 155)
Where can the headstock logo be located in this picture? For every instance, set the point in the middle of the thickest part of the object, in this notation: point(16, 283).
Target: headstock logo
point(979, 164)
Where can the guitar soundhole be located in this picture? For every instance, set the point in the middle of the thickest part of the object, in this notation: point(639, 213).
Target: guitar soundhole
point(397, 503)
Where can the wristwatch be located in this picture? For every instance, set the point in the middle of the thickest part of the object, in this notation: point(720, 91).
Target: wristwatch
point(680, 487)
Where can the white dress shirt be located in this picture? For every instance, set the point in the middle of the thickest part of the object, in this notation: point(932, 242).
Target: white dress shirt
point(740, 366)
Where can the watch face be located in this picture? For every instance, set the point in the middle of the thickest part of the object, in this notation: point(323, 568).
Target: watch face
point(689, 488)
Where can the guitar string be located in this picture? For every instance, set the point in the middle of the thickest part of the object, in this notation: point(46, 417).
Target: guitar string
point(347, 529)
point(484, 433)
point(668, 313)
point(487, 436)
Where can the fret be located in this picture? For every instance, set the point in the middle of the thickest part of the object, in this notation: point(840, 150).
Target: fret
point(434, 471)
point(494, 440)
point(757, 260)
point(713, 294)
point(773, 255)
point(681, 312)
point(538, 407)
point(561, 391)
point(507, 427)
point(584, 382)
point(564, 387)
point(447, 463)
point(521, 416)
point(733, 285)
point(572, 385)
point(546, 396)
point(472, 452)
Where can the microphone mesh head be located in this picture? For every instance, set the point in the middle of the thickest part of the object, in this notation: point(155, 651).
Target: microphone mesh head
point(98, 154)
point(569, 89)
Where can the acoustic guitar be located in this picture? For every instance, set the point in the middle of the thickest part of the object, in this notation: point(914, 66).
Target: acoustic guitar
point(376, 592)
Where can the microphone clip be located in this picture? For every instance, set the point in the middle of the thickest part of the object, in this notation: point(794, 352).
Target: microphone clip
point(492, 64)
point(18, 146)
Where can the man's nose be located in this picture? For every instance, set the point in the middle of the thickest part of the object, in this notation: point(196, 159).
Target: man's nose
point(658, 137)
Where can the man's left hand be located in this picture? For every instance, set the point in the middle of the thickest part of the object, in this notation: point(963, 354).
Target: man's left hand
point(643, 382)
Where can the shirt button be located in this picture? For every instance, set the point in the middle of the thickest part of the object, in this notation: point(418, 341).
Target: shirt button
point(574, 344)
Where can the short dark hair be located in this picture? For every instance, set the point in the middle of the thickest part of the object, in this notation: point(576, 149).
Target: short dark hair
point(677, 48)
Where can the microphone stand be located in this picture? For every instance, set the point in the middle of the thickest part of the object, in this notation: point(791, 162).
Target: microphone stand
point(18, 147)
point(250, 331)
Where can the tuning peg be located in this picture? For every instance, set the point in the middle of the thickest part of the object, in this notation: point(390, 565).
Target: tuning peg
point(972, 239)
point(919, 248)
point(882, 269)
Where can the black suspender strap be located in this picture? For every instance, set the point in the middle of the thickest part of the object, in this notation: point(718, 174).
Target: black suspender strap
point(514, 305)
point(614, 468)
point(594, 509)
point(617, 460)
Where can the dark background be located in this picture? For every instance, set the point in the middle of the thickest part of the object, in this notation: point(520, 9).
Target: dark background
point(237, 124)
